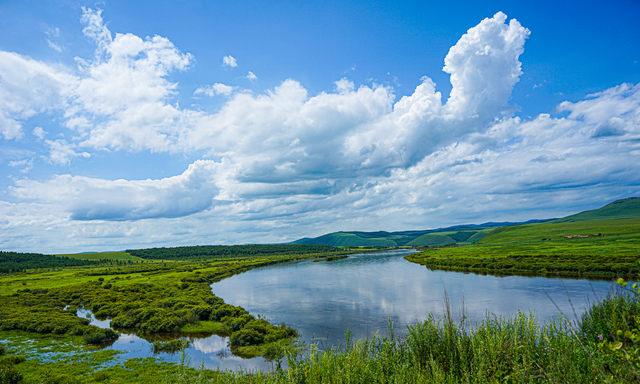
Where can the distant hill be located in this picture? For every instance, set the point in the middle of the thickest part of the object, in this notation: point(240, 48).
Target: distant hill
point(461, 234)
point(620, 209)
point(465, 234)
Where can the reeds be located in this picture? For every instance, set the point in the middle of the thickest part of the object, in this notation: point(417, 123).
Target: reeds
point(515, 349)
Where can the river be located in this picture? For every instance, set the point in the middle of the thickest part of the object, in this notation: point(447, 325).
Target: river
point(363, 292)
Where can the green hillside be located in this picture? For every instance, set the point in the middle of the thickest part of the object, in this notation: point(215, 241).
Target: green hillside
point(602, 243)
point(619, 209)
point(427, 238)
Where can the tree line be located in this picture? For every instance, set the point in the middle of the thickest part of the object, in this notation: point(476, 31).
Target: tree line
point(13, 262)
point(225, 251)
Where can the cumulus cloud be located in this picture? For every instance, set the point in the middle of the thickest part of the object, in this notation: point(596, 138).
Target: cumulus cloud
point(229, 61)
point(96, 199)
point(484, 67)
point(357, 157)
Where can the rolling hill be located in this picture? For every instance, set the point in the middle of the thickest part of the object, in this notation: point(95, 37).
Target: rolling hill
point(602, 243)
point(467, 234)
point(620, 209)
point(464, 234)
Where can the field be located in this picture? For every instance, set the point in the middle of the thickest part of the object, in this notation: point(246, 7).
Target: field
point(602, 249)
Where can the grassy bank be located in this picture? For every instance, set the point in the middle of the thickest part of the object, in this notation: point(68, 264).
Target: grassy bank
point(599, 249)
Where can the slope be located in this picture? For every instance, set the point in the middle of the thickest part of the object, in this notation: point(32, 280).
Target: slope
point(620, 209)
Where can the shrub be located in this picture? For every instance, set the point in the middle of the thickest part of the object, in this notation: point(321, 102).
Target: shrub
point(233, 324)
point(9, 374)
point(94, 338)
point(100, 376)
point(245, 337)
point(12, 359)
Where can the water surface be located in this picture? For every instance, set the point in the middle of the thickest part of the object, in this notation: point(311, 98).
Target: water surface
point(324, 299)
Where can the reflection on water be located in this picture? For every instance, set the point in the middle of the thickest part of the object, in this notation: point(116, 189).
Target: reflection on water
point(361, 293)
point(209, 349)
point(364, 291)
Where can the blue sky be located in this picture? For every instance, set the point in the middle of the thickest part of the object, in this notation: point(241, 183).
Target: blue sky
point(139, 124)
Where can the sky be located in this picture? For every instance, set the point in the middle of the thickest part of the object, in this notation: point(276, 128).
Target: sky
point(145, 124)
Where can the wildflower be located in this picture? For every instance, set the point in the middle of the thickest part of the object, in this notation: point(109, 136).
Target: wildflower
point(600, 337)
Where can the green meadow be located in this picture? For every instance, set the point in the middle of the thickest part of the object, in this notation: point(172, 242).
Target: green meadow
point(603, 249)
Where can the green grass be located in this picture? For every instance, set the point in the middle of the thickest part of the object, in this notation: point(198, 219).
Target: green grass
point(619, 209)
point(204, 327)
point(544, 249)
point(431, 239)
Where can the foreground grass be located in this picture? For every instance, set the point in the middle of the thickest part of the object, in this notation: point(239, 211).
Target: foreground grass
point(517, 349)
point(610, 250)
point(438, 350)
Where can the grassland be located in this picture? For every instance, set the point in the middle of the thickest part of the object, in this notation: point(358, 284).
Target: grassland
point(600, 249)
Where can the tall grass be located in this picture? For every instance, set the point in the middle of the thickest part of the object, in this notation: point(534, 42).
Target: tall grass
point(515, 349)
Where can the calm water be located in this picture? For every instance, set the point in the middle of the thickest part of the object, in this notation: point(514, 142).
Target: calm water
point(361, 293)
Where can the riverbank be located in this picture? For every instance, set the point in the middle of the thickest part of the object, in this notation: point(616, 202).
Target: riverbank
point(600, 250)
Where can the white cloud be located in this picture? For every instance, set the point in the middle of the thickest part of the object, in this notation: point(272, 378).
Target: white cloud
point(215, 89)
point(251, 76)
point(95, 199)
point(54, 46)
point(61, 152)
point(29, 87)
point(484, 67)
point(27, 164)
point(39, 132)
point(229, 61)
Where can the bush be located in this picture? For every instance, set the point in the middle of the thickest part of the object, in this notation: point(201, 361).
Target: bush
point(102, 336)
point(12, 359)
point(245, 337)
point(94, 338)
point(100, 376)
point(233, 324)
point(9, 374)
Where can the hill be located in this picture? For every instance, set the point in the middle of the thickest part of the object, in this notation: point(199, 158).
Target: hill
point(620, 209)
point(461, 234)
point(601, 243)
